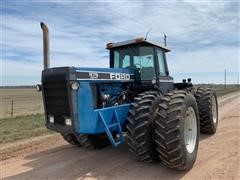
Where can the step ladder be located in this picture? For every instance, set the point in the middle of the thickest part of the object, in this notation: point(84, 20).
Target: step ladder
point(108, 127)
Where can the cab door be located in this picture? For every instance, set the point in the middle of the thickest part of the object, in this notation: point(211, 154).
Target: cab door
point(165, 81)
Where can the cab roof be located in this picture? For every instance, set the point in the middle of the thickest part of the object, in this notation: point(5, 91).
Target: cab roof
point(135, 41)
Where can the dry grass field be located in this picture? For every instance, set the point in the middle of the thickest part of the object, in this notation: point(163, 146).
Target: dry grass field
point(25, 102)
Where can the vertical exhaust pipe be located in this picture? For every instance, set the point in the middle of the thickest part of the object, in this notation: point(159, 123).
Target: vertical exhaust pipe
point(46, 60)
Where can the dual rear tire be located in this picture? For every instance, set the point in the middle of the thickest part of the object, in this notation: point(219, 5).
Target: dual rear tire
point(208, 109)
point(177, 130)
point(167, 127)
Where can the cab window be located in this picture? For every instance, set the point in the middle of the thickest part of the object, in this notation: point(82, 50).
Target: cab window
point(140, 58)
point(161, 62)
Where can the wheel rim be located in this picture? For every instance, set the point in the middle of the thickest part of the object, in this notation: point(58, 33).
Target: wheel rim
point(190, 130)
point(214, 110)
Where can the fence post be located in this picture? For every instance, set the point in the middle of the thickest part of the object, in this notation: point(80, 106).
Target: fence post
point(12, 109)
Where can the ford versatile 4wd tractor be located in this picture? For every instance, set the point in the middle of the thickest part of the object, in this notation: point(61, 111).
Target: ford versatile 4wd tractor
point(135, 99)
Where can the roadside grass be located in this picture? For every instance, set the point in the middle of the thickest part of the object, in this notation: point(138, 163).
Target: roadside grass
point(220, 91)
point(22, 127)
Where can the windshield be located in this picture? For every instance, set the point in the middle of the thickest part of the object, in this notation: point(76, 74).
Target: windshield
point(137, 57)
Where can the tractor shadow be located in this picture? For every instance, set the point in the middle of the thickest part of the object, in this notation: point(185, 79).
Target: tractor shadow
point(72, 162)
point(204, 136)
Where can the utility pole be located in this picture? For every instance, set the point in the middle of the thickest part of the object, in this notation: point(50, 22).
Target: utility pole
point(225, 79)
point(238, 80)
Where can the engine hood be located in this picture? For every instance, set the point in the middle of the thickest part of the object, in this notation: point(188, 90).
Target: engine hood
point(104, 74)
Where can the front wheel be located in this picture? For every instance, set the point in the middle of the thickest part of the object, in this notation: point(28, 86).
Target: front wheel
point(140, 125)
point(177, 130)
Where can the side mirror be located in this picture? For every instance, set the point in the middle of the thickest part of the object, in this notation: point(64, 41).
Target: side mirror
point(167, 73)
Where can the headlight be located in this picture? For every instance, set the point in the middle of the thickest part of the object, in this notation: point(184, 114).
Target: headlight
point(38, 87)
point(51, 118)
point(75, 86)
point(154, 81)
point(106, 97)
point(68, 121)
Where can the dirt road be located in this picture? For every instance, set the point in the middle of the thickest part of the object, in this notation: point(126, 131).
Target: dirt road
point(218, 157)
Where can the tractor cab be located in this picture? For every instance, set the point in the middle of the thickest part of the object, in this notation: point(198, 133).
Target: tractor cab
point(146, 59)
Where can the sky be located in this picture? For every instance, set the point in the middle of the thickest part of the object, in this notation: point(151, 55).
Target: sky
point(204, 36)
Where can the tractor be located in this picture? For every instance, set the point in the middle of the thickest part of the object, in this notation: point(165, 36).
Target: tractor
point(134, 100)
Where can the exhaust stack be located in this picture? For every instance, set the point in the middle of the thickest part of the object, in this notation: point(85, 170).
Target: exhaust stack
point(46, 60)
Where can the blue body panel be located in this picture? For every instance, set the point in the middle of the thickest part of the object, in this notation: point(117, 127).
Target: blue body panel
point(90, 120)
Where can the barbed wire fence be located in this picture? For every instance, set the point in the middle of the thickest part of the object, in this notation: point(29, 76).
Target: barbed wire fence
point(21, 106)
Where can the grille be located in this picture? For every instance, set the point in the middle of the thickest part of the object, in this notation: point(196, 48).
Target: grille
point(56, 99)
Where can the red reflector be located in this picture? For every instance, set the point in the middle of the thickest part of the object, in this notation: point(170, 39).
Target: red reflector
point(109, 45)
point(138, 40)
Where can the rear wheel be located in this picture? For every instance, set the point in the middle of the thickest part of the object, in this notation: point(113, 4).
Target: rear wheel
point(208, 109)
point(140, 125)
point(71, 139)
point(87, 141)
point(93, 141)
point(177, 130)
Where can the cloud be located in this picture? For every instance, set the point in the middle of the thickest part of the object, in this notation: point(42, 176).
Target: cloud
point(203, 36)
point(209, 59)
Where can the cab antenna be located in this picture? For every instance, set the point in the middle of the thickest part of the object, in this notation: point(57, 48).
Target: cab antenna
point(165, 39)
point(147, 33)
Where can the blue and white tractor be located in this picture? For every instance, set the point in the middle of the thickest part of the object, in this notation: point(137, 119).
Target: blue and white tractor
point(134, 100)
